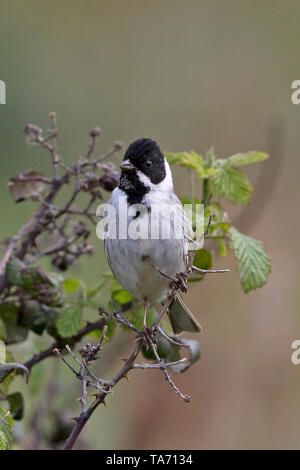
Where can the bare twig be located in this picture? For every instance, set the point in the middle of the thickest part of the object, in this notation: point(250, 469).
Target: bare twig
point(97, 325)
point(100, 398)
point(207, 271)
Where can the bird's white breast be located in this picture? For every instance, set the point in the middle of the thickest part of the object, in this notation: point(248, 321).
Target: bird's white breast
point(126, 256)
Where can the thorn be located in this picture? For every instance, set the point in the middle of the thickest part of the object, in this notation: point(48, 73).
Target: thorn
point(122, 359)
point(104, 403)
point(74, 418)
point(126, 377)
point(79, 399)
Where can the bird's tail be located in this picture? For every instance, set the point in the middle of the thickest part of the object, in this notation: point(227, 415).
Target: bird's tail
point(181, 318)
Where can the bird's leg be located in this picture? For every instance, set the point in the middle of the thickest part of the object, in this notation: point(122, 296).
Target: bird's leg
point(146, 334)
point(180, 281)
point(146, 304)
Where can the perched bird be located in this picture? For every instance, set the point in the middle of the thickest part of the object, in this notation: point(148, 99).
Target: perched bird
point(139, 263)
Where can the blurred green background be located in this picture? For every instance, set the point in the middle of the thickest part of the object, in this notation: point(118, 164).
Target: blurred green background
point(189, 74)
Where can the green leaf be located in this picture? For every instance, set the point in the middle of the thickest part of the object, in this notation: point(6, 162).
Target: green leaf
point(203, 259)
point(6, 438)
point(38, 377)
point(253, 262)
point(51, 319)
point(210, 157)
point(171, 352)
point(191, 160)
point(230, 183)
point(16, 405)
point(163, 348)
point(214, 209)
point(15, 333)
point(21, 189)
point(240, 159)
point(13, 272)
point(69, 321)
point(70, 285)
point(33, 317)
point(8, 368)
point(121, 295)
point(2, 330)
point(222, 247)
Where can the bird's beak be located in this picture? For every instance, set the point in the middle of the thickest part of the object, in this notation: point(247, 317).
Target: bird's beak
point(126, 165)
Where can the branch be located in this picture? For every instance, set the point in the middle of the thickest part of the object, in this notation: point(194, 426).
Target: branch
point(88, 353)
point(100, 398)
point(97, 325)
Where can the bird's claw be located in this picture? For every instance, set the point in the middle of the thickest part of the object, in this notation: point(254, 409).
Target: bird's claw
point(146, 335)
point(180, 282)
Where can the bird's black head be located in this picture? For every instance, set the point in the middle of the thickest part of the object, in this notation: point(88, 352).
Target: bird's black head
point(142, 155)
point(146, 156)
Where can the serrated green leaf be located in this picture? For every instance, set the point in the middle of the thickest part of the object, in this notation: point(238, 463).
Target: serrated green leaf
point(191, 160)
point(230, 183)
point(6, 438)
point(240, 159)
point(69, 321)
point(253, 262)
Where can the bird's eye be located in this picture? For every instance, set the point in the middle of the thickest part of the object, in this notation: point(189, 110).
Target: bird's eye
point(148, 164)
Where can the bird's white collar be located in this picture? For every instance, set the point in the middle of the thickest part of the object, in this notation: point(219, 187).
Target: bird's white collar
point(165, 185)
